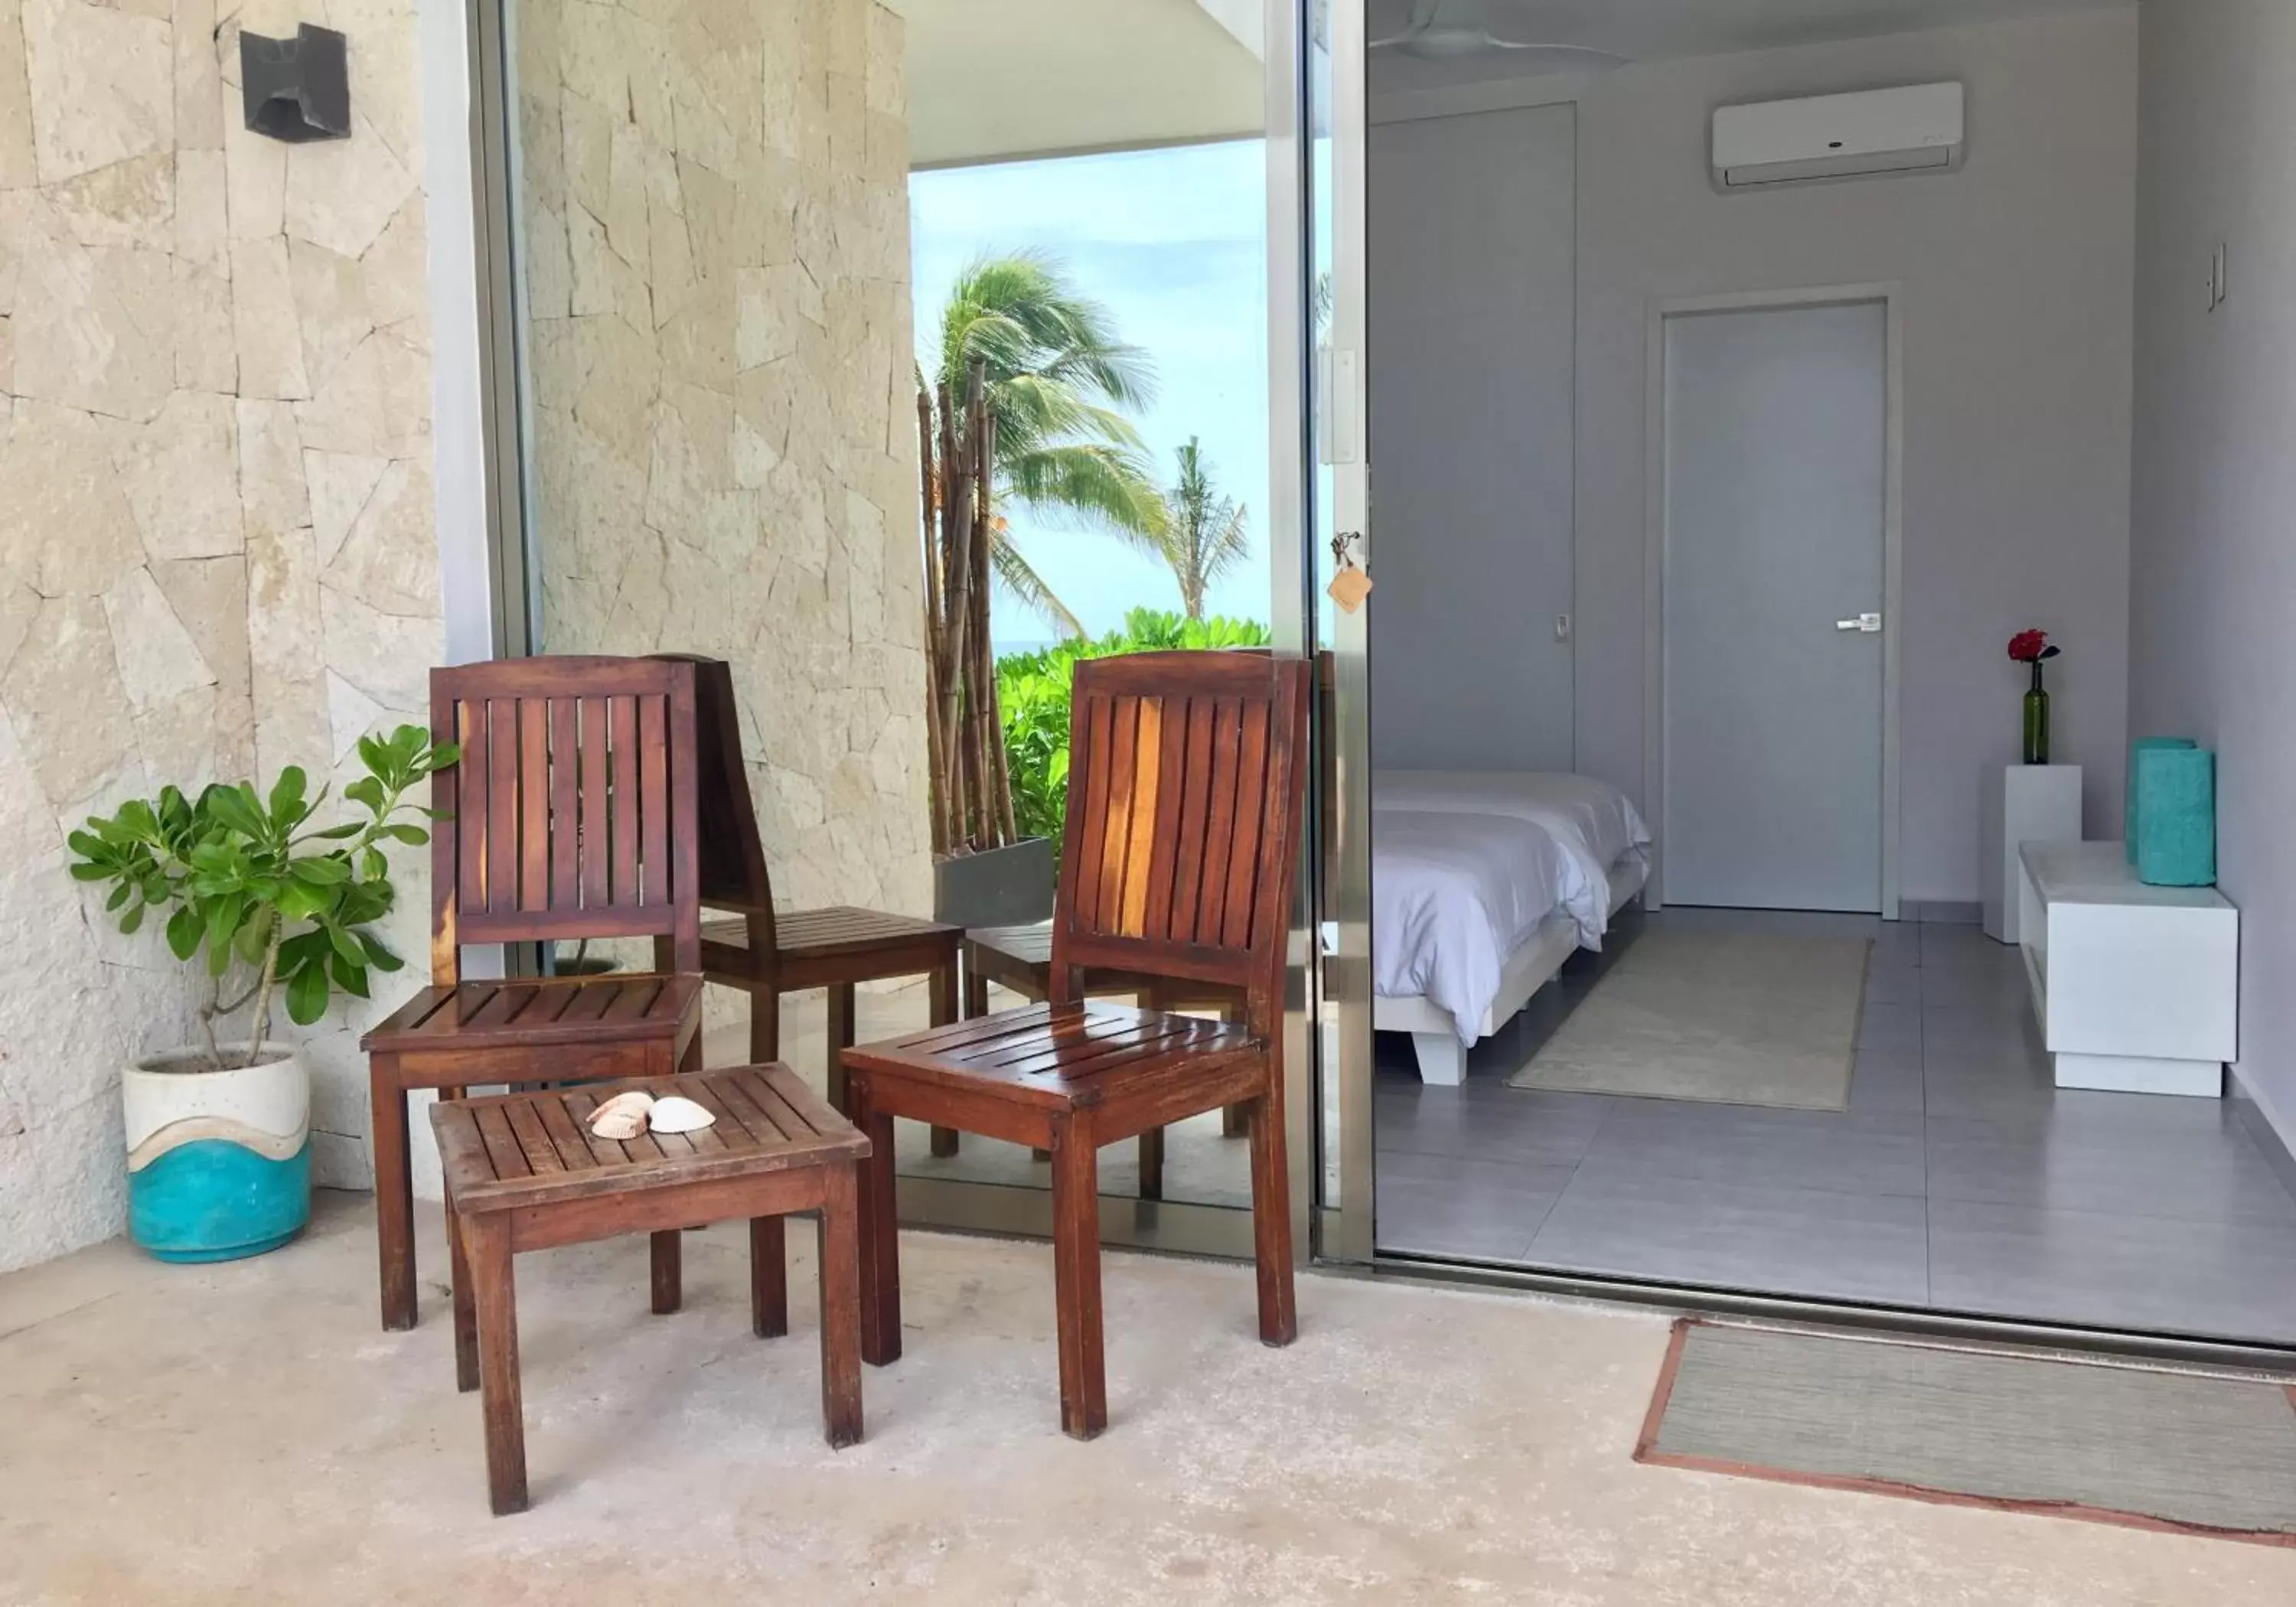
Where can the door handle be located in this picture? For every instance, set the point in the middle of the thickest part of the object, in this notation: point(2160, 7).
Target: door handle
point(1870, 624)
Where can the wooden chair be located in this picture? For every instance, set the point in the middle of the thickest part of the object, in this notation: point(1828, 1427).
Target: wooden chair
point(1179, 861)
point(1019, 959)
point(766, 955)
point(570, 816)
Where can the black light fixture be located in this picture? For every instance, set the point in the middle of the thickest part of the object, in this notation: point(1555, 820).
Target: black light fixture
point(297, 89)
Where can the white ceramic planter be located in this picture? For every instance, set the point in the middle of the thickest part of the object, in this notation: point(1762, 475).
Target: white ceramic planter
point(218, 1162)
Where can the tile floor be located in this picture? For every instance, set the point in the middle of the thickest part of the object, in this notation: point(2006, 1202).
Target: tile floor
point(1959, 1177)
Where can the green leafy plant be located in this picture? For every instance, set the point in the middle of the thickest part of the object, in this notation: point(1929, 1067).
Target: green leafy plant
point(248, 879)
point(1032, 691)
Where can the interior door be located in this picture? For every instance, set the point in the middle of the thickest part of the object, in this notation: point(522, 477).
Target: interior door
point(1775, 465)
point(1474, 274)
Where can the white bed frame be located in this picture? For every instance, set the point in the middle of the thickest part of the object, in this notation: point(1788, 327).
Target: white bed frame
point(1435, 1033)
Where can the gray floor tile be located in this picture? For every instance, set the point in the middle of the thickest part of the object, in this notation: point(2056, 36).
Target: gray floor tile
point(1441, 1205)
point(1893, 984)
point(1890, 1027)
point(1523, 1127)
point(1886, 1082)
point(1852, 1153)
point(1944, 943)
point(1996, 988)
point(1958, 1157)
point(2231, 1280)
point(2189, 1173)
point(1804, 1241)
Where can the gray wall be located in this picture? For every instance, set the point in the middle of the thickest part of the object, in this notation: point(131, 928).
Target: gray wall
point(2017, 281)
point(1471, 258)
point(2213, 556)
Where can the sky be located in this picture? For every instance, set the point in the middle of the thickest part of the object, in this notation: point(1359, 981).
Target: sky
point(1173, 243)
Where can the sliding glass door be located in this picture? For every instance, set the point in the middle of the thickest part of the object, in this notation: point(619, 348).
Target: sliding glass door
point(738, 258)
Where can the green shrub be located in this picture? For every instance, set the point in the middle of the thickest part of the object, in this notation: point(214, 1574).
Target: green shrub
point(1032, 688)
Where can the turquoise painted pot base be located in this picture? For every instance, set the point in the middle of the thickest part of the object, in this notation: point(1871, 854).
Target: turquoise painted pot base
point(212, 1199)
point(236, 1252)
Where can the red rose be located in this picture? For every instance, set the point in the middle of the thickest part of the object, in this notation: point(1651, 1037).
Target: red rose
point(2027, 647)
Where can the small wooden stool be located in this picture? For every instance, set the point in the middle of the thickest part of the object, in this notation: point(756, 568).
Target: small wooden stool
point(524, 1172)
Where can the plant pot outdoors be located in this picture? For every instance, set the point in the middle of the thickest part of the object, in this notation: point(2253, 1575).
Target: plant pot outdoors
point(218, 1160)
point(1008, 886)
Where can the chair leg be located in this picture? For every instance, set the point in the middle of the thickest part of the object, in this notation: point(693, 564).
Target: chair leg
point(943, 984)
point(487, 1243)
point(765, 1025)
point(1271, 1222)
point(841, 1307)
point(880, 1234)
point(669, 1266)
point(1235, 1120)
point(1076, 1278)
point(840, 1039)
point(1151, 1164)
point(394, 1191)
point(768, 1278)
point(466, 1311)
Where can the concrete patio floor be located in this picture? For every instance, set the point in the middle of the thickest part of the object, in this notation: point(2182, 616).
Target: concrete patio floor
point(246, 1434)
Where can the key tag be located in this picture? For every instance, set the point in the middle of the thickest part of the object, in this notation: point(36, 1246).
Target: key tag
point(1350, 586)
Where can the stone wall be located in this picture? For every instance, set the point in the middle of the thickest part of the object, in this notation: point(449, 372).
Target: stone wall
point(216, 554)
point(713, 220)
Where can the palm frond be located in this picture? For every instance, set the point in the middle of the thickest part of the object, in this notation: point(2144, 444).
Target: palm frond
point(1100, 487)
point(1028, 588)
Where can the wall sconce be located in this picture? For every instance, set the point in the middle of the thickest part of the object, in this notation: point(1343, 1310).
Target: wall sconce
point(297, 89)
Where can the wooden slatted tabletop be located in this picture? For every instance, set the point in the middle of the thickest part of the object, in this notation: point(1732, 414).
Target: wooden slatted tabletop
point(517, 1150)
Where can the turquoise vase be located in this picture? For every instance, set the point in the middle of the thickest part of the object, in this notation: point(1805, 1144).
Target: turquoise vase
point(2130, 830)
point(2177, 817)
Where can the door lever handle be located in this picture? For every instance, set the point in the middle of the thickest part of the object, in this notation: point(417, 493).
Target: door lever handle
point(1871, 624)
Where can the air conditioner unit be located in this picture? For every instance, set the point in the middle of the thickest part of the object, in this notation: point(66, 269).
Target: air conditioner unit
point(1914, 130)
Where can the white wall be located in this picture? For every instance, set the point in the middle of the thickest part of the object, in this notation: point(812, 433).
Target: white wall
point(2213, 562)
point(2016, 276)
point(1471, 260)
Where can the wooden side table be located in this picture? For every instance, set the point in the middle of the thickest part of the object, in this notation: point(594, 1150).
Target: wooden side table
point(524, 1172)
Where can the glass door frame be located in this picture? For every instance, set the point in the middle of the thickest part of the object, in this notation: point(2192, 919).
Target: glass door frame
point(1179, 1226)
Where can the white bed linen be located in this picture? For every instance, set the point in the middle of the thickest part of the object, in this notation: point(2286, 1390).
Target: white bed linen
point(1453, 897)
point(1596, 824)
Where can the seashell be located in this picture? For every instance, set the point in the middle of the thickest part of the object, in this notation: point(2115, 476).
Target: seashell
point(624, 1116)
point(674, 1114)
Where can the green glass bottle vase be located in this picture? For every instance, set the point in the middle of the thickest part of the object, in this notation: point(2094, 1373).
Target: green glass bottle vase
point(2037, 720)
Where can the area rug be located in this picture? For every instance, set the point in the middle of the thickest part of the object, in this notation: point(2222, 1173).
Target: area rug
point(1738, 1019)
point(2195, 1453)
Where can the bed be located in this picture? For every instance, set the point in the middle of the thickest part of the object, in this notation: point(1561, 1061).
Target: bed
point(1483, 883)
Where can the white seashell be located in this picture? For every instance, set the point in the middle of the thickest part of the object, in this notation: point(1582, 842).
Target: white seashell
point(674, 1114)
point(624, 1116)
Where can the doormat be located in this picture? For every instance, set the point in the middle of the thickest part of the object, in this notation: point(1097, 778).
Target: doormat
point(1735, 1018)
point(2104, 1442)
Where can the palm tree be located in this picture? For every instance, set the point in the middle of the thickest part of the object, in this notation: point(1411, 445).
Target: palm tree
point(1203, 535)
point(1058, 383)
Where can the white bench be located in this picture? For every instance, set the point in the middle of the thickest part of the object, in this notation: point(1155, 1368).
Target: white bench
point(2136, 988)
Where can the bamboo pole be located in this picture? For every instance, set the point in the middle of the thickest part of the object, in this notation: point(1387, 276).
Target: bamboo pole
point(930, 468)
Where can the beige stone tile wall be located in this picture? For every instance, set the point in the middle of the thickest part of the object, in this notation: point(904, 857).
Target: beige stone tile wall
point(713, 218)
point(216, 554)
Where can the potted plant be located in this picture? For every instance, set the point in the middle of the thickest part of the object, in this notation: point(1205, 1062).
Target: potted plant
point(274, 909)
point(985, 873)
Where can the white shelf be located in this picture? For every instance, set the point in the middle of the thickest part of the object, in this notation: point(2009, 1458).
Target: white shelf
point(2136, 988)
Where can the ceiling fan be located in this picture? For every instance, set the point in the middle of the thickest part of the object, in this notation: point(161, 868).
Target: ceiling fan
point(1443, 29)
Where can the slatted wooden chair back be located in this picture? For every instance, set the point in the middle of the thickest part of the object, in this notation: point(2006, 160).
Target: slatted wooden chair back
point(571, 814)
point(732, 855)
point(1186, 772)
